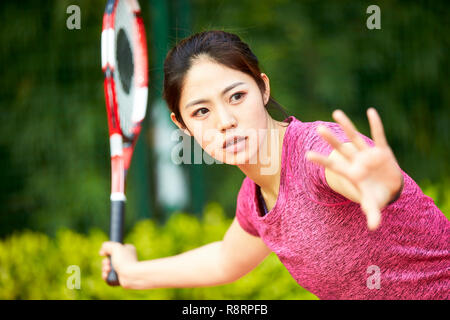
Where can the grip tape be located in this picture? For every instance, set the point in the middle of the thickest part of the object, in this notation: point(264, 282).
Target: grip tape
point(116, 234)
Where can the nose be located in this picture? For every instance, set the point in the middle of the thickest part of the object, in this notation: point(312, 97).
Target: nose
point(226, 120)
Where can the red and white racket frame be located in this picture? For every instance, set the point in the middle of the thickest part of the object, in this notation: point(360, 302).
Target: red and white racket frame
point(122, 148)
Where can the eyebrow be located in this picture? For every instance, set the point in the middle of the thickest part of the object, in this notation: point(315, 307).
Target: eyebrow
point(230, 87)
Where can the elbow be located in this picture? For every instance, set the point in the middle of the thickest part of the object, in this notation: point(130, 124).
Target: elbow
point(225, 276)
point(227, 272)
point(229, 277)
point(230, 271)
point(238, 275)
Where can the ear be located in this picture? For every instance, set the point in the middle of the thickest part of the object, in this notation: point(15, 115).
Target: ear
point(266, 95)
point(179, 125)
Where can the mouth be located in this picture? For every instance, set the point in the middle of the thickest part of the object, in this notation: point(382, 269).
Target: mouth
point(233, 141)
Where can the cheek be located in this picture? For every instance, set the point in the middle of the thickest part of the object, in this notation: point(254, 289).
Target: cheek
point(253, 107)
point(208, 140)
point(254, 115)
point(255, 142)
point(256, 120)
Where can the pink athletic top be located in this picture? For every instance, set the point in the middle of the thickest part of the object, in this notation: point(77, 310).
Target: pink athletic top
point(322, 237)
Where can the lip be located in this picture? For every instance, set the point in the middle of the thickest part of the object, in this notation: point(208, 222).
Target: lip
point(234, 143)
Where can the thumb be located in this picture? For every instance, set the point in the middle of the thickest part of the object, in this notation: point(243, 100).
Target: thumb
point(108, 248)
point(372, 212)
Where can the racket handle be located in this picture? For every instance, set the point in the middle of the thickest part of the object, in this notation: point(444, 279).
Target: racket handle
point(112, 279)
point(116, 234)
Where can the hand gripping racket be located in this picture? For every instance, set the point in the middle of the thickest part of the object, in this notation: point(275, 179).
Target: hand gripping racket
point(124, 64)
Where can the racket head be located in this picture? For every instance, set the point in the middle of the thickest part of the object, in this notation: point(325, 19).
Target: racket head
point(125, 67)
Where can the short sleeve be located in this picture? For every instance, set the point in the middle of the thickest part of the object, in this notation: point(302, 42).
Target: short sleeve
point(313, 175)
point(245, 224)
point(243, 209)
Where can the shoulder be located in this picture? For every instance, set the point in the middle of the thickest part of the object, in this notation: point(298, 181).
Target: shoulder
point(305, 133)
point(311, 178)
point(245, 192)
point(302, 137)
point(245, 207)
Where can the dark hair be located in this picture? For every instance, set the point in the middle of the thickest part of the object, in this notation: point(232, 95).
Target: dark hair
point(220, 46)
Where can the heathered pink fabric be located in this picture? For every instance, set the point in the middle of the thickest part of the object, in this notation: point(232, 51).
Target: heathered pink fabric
point(323, 240)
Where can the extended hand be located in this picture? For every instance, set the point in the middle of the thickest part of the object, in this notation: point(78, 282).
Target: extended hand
point(373, 171)
point(122, 256)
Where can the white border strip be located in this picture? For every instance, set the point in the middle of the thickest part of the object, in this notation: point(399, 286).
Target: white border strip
point(118, 196)
point(108, 52)
point(140, 104)
point(116, 145)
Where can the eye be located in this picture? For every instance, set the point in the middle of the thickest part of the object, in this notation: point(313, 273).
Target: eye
point(237, 96)
point(201, 113)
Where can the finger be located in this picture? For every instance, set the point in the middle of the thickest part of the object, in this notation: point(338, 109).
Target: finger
point(376, 128)
point(334, 142)
point(326, 162)
point(104, 250)
point(372, 212)
point(106, 268)
point(349, 129)
point(106, 262)
point(107, 248)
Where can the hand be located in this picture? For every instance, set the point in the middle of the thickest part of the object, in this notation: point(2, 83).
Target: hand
point(373, 171)
point(122, 256)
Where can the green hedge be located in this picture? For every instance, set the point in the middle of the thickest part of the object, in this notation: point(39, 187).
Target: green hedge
point(34, 266)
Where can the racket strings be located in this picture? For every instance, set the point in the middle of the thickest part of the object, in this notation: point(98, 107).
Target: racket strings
point(124, 61)
point(124, 73)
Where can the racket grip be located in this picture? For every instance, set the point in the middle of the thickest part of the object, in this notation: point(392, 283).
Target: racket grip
point(116, 234)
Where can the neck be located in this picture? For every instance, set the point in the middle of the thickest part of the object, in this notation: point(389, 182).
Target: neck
point(266, 171)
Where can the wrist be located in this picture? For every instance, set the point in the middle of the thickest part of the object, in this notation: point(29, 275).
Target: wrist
point(127, 275)
point(399, 192)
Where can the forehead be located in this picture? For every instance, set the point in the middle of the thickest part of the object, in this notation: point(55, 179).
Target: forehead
point(207, 77)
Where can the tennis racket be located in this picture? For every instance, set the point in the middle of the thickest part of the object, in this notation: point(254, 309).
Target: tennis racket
point(124, 64)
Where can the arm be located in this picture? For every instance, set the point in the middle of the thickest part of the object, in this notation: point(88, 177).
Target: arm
point(213, 264)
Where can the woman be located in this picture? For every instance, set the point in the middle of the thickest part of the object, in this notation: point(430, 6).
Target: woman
point(334, 205)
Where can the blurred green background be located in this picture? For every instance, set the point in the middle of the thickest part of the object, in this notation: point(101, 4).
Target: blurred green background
point(54, 148)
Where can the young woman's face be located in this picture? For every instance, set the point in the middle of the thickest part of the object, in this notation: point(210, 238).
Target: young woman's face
point(218, 103)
